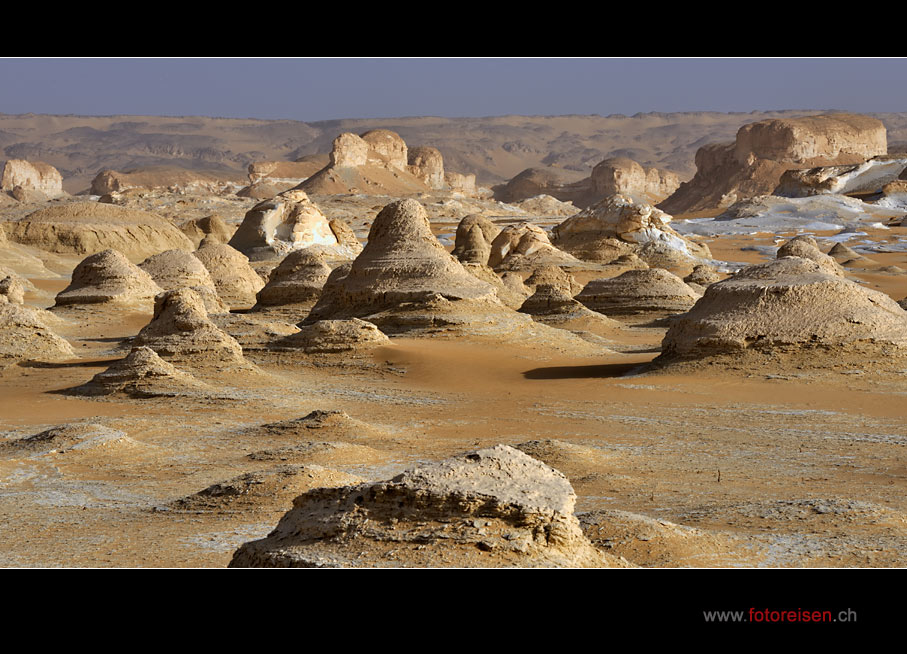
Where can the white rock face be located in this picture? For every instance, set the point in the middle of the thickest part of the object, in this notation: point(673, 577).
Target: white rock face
point(389, 146)
point(290, 221)
point(869, 176)
point(35, 176)
point(349, 150)
point(428, 165)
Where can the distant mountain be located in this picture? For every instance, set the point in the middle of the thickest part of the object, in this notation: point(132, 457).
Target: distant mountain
point(494, 148)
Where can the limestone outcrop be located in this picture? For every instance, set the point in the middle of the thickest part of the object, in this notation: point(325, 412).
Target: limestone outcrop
point(622, 176)
point(236, 282)
point(785, 307)
point(181, 333)
point(209, 226)
point(427, 164)
point(90, 227)
point(175, 269)
point(171, 180)
point(142, 373)
point(274, 228)
point(650, 292)
point(109, 277)
point(32, 176)
point(620, 225)
point(26, 335)
point(495, 507)
point(334, 337)
point(402, 262)
point(807, 248)
point(474, 237)
point(526, 246)
point(868, 177)
point(298, 279)
point(765, 150)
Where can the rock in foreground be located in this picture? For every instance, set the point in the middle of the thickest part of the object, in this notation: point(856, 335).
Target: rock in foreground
point(496, 507)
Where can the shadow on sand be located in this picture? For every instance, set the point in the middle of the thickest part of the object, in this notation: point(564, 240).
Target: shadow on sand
point(584, 372)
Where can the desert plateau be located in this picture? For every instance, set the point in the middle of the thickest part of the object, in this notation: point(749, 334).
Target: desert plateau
point(661, 340)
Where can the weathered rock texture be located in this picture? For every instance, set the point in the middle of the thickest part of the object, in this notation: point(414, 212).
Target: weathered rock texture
point(273, 228)
point(236, 282)
point(620, 225)
point(639, 292)
point(526, 246)
point(173, 180)
point(109, 277)
point(32, 176)
point(25, 335)
point(402, 262)
point(807, 248)
point(610, 177)
point(334, 336)
point(763, 151)
point(868, 177)
point(298, 279)
point(175, 269)
point(181, 333)
point(790, 306)
point(475, 233)
point(90, 227)
point(141, 374)
point(427, 164)
point(552, 305)
point(210, 226)
point(492, 508)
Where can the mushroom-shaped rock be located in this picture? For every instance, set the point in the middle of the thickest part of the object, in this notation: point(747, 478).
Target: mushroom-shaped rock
point(141, 374)
point(495, 507)
point(402, 262)
point(553, 306)
point(182, 333)
point(786, 306)
point(653, 291)
point(236, 281)
point(273, 228)
point(108, 276)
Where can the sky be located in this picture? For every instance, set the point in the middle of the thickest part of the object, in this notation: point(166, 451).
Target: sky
point(323, 89)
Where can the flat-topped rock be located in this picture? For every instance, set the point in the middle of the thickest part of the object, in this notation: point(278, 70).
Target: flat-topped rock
point(489, 508)
point(635, 292)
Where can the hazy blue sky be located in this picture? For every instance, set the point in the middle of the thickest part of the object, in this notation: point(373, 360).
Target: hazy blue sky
point(321, 89)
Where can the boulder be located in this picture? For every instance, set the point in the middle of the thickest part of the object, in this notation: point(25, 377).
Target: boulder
point(495, 507)
point(209, 226)
point(806, 247)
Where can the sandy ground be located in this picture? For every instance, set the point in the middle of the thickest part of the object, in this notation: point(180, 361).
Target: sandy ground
point(797, 469)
